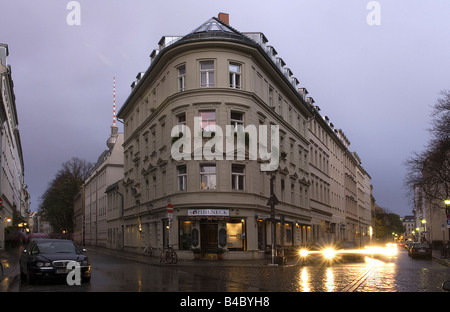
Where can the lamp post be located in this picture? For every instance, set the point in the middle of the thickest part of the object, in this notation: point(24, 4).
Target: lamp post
point(447, 213)
point(424, 227)
point(273, 200)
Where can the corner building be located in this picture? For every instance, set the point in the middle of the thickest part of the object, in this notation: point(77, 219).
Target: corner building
point(227, 78)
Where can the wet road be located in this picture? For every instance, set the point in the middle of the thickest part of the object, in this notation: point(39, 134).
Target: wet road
point(400, 274)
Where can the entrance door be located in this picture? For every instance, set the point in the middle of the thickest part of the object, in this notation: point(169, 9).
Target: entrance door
point(208, 236)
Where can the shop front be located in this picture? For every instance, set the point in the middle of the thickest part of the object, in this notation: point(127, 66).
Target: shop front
point(211, 231)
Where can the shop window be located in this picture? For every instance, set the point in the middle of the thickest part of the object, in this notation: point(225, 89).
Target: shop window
point(185, 238)
point(236, 235)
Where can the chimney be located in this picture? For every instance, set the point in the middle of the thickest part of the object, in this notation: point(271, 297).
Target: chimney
point(224, 17)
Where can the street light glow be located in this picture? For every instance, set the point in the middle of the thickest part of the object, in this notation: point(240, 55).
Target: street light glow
point(303, 253)
point(329, 253)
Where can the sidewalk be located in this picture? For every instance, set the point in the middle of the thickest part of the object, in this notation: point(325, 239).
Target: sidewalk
point(436, 255)
point(154, 260)
point(10, 263)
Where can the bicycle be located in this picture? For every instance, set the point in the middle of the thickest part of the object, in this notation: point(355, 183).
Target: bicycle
point(148, 251)
point(168, 255)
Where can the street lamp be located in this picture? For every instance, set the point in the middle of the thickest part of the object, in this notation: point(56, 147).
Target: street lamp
point(273, 200)
point(447, 213)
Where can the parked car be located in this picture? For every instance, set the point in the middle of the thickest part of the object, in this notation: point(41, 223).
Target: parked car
point(46, 258)
point(420, 250)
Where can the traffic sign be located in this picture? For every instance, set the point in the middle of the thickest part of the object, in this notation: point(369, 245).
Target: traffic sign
point(169, 208)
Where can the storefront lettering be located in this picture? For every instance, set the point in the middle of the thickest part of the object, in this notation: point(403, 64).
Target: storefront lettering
point(209, 212)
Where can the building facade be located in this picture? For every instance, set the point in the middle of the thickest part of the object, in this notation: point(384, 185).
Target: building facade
point(13, 191)
point(431, 220)
point(199, 86)
point(410, 227)
point(108, 170)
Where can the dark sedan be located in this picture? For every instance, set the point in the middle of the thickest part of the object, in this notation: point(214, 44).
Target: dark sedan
point(420, 250)
point(52, 258)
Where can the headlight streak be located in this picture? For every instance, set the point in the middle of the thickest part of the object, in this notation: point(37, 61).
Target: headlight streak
point(390, 250)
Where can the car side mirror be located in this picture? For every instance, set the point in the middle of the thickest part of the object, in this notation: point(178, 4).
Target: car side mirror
point(446, 286)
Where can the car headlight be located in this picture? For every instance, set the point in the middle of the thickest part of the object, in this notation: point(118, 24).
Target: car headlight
point(84, 262)
point(41, 264)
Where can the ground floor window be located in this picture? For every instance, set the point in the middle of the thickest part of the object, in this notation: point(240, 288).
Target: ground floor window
point(209, 234)
point(185, 238)
point(236, 234)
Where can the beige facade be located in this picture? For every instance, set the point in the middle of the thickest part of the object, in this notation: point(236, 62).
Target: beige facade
point(107, 171)
point(229, 79)
point(13, 191)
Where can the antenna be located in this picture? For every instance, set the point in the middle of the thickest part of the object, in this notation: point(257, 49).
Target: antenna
point(114, 102)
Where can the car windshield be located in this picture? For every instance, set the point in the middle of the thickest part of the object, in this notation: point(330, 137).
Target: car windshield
point(57, 247)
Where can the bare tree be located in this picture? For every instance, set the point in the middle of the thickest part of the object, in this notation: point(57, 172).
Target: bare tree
point(57, 201)
point(430, 169)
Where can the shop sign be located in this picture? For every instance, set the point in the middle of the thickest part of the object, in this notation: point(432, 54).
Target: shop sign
point(209, 212)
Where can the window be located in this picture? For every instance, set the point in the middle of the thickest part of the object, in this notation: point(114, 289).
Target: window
point(181, 77)
point(271, 97)
point(237, 177)
point(236, 234)
point(182, 178)
point(207, 74)
point(237, 119)
point(181, 121)
point(208, 177)
point(235, 75)
point(208, 120)
point(185, 237)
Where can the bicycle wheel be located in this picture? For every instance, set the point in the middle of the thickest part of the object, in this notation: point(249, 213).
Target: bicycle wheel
point(174, 257)
point(169, 258)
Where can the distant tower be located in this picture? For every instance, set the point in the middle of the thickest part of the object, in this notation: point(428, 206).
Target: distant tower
point(114, 129)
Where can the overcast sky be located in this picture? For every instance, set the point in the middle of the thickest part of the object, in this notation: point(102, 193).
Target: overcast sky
point(376, 82)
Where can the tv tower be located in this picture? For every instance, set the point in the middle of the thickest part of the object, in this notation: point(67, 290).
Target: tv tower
point(114, 129)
